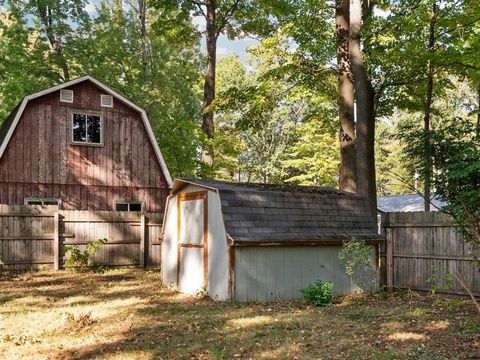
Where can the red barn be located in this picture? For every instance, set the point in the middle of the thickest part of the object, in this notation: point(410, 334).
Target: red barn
point(83, 146)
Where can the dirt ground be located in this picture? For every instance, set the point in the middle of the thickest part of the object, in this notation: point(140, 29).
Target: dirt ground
point(127, 314)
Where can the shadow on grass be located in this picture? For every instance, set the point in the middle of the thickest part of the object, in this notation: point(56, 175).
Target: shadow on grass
point(158, 323)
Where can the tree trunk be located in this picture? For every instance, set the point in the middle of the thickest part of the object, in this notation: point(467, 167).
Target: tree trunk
point(209, 87)
point(478, 109)
point(365, 110)
point(45, 15)
point(427, 112)
point(347, 174)
point(142, 14)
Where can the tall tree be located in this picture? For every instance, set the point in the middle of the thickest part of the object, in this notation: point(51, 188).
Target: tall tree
point(347, 173)
point(428, 108)
point(218, 15)
point(142, 15)
point(365, 108)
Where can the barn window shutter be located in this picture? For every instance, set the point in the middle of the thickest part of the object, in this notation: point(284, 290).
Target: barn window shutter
point(66, 96)
point(106, 100)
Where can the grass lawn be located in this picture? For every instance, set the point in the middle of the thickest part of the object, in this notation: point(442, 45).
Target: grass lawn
point(126, 314)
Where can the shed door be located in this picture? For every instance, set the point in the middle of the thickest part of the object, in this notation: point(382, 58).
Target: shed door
point(192, 249)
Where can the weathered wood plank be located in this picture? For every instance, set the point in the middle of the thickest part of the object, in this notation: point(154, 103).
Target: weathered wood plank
point(426, 244)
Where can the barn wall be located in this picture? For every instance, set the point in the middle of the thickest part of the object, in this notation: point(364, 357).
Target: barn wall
point(272, 273)
point(39, 155)
point(217, 250)
point(74, 197)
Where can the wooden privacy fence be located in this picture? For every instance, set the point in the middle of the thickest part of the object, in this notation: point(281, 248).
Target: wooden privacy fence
point(423, 250)
point(34, 236)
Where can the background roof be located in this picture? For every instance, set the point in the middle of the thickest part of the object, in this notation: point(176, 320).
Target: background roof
point(406, 203)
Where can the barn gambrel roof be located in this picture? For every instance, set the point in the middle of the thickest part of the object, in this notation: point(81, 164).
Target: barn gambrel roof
point(255, 213)
point(7, 128)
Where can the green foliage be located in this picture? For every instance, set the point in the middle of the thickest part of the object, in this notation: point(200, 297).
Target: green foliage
point(272, 126)
point(78, 259)
point(456, 179)
point(439, 280)
point(472, 327)
point(355, 254)
point(107, 44)
point(319, 293)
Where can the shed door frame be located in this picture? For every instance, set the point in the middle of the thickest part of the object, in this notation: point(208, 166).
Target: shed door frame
point(198, 195)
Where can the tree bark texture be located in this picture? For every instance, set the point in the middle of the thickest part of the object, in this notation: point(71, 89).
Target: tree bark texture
point(45, 15)
point(142, 14)
point(365, 111)
point(427, 112)
point(209, 87)
point(347, 173)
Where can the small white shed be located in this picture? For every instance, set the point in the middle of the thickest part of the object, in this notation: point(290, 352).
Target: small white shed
point(256, 242)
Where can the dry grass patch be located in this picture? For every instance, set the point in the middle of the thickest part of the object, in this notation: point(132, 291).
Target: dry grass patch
point(127, 314)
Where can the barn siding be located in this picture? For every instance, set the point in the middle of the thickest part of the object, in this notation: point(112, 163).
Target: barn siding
point(40, 161)
point(273, 273)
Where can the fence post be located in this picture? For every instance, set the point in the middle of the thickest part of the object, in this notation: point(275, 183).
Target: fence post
point(56, 241)
point(143, 239)
point(389, 253)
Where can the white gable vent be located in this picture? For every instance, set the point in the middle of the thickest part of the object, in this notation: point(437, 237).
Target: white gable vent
point(106, 100)
point(66, 96)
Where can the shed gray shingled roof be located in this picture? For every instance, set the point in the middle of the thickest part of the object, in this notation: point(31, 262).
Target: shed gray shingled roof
point(258, 212)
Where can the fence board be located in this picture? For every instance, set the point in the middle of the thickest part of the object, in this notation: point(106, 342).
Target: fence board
point(419, 245)
point(28, 233)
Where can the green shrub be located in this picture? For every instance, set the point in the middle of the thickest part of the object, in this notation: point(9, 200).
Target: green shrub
point(319, 293)
point(78, 259)
point(439, 280)
point(355, 254)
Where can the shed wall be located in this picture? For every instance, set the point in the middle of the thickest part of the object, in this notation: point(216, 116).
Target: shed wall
point(217, 250)
point(272, 273)
point(169, 243)
point(217, 271)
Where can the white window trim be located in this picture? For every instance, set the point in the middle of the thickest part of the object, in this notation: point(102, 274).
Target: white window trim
point(62, 91)
point(142, 204)
point(102, 96)
point(85, 143)
point(59, 201)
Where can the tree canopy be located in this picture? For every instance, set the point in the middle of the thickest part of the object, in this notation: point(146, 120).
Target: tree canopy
point(275, 116)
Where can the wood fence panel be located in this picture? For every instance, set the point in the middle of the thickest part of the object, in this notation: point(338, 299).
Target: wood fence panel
point(28, 233)
point(25, 231)
point(423, 250)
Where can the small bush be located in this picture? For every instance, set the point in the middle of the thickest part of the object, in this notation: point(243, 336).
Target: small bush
point(78, 259)
point(472, 327)
point(319, 293)
point(355, 254)
point(439, 280)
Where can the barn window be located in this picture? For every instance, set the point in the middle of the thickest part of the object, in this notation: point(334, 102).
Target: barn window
point(106, 100)
point(128, 206)
point(35, 201)
point(87, 129)
point(66, 96)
